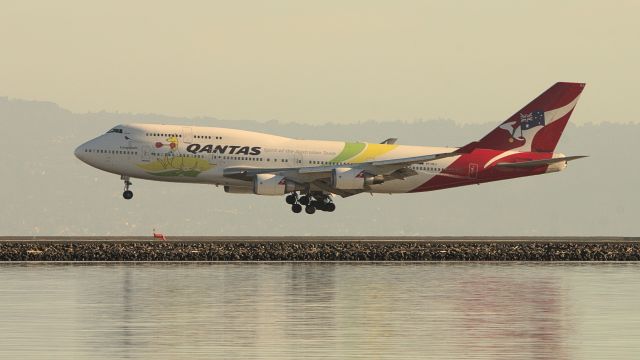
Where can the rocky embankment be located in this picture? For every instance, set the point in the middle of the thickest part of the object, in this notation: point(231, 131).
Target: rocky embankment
point(318, 251)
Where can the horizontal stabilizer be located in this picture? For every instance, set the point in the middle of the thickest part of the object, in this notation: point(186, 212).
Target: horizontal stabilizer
point(536, 163)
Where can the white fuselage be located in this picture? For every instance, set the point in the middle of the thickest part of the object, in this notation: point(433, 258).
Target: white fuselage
point(310, 172)
point(201, 154)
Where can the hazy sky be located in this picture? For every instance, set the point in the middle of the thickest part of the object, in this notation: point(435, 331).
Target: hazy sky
point(314, 62)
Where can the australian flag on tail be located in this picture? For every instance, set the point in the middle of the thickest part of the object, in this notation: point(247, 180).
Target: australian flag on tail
point(531, 120)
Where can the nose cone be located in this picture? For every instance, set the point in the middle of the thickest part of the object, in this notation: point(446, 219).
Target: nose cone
point(81, 152)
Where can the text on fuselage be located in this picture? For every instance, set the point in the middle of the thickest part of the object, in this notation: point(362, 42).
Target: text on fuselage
point(224, 149)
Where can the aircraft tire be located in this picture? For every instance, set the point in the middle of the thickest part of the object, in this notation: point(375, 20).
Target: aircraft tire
point(296, 208)
point(330, 207)
point(127, 194)
point(310, 209)
point(304, 200)
point(291, 199)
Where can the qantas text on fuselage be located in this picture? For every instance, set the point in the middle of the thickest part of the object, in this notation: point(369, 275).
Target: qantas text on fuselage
point(309, 172)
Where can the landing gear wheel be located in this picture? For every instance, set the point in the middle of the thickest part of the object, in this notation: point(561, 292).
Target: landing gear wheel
point(127, 194)
point(310, 209)
point(330, 207)
point(296, 208)
point(304, 200)
point(291, 199)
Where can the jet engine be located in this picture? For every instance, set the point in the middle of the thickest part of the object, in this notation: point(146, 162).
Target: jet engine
point(271, 184)
point(350, 178)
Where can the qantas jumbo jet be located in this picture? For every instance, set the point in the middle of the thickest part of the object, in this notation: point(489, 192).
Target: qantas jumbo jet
point(309, 172)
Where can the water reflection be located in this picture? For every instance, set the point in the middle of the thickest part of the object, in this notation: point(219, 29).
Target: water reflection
point(310, 299)
point(511, 315)
point(317, 310)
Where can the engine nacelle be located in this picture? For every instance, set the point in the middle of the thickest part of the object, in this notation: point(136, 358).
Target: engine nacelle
point(349, 178)
point(271, 184)
point(238, 189)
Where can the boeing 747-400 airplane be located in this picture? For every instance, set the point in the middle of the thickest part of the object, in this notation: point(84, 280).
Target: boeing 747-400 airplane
point(309, 172)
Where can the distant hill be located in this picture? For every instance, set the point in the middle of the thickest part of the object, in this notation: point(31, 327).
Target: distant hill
point(46, 190)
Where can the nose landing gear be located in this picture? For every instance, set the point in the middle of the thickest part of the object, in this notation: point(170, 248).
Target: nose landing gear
point(127, 194)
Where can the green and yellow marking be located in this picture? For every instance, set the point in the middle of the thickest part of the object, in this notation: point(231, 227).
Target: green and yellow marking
point(362, 152)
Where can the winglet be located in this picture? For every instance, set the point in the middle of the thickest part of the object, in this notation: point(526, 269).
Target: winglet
point(390, 141)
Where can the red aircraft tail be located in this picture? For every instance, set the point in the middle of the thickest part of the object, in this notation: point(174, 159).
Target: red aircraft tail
point(537, 126)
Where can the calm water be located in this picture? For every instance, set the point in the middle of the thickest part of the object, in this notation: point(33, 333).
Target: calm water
point(320, 310)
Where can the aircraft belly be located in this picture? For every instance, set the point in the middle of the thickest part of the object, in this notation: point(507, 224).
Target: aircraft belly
point(401, 186)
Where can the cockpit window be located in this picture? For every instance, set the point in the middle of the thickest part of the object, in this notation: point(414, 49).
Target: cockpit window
point(115, 130)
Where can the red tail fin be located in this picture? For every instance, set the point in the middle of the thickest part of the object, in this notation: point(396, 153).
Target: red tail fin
point(537, 126)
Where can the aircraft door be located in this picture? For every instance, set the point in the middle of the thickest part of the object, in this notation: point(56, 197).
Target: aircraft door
point(145, 154)
point(297, 159)
point(187, 135)
point(473, 171)
point(215, 158)
point(129, 146)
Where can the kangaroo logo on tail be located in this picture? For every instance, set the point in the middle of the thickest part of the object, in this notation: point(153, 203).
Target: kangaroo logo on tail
point(512, 128)
point(527, 121)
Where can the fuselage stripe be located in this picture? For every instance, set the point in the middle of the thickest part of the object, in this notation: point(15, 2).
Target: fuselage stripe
point(372, 152)
point(350, 150)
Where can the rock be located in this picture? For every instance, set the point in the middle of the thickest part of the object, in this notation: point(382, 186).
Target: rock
point(316, 251)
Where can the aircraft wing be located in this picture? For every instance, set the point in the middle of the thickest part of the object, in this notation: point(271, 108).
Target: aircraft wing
point(320, 175)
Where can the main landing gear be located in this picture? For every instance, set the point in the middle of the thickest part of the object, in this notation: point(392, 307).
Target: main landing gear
point(311, 202)
point(127, 194)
